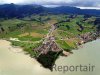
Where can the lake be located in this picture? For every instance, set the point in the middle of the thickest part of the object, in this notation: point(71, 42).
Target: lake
point(13, 61)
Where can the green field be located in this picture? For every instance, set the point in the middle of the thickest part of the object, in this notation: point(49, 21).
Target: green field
point(34, 28)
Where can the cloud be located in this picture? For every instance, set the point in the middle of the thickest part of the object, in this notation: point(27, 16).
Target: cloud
point(86, 3)
point(77, 3)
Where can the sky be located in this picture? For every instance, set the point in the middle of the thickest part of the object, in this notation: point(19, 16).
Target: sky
point(87, 4)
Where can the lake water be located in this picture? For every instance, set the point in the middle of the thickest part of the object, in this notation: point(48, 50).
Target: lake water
point(14, 62)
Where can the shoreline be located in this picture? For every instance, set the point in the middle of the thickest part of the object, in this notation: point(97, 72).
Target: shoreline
point(65, 54)
point(27, 65)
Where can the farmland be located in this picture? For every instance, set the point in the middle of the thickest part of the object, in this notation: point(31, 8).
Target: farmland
point(44, 36)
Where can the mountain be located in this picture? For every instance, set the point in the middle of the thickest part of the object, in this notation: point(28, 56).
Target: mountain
point(64, 10)
point(73, 10)
point(12, 10)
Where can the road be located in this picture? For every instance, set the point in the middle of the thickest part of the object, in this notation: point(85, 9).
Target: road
point(49, 43)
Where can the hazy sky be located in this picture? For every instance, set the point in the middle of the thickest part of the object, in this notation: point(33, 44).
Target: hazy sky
point(77, 3)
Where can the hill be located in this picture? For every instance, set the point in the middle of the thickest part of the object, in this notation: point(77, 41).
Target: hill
point(18, 11)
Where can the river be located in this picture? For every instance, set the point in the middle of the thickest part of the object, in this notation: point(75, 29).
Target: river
point(13, 61)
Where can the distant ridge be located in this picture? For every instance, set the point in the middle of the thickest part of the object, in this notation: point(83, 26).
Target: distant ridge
point(74, 10)
point(12, 10)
